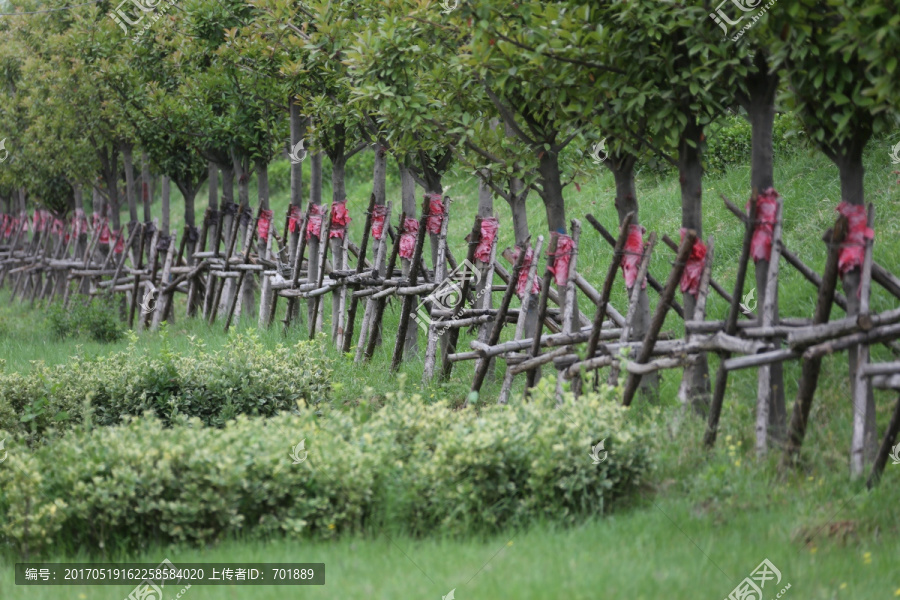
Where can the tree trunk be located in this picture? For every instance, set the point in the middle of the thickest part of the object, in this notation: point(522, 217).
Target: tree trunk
point(145, 186)
point(760, 107)
point(851, 171)
point(551, 191)
point(298, 132)
point(690, 172)
point(129, 181)
point(338, 194)
point(212, 232)
point(408, 199)
point(315, 197)
point(166, 190)
point(622, 168)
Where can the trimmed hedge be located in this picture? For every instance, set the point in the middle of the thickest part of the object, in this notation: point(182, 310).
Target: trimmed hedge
point(408, 465)
point(244, 378)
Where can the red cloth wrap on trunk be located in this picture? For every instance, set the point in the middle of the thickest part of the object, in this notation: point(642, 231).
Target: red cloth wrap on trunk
point(565, 247)
point(294, 218)
point(690, 277)
point(408, 238)
point(379, 213)
point(314, 225)
point(766, 207)
point(435, 213)
point(120, 242)
point(634, 249)
point(104, 231)
point(57, 227)
point(263, 224)
point(340, 218)
point(522, 281)
point(853, 250)
point(489, 227)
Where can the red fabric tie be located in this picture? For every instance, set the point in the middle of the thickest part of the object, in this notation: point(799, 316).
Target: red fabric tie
point(565, 248)
point(314, 226)
point(120, 242)
point(690, 277)
point(853, 250)
point(263, 224)
point(378, 216)
point(489, 227)
point(340, 218)
point(435, 213)
point(634, 249)
point(104, 231)
point(766, 209)
point(522, 281)
point(408, 238)
point(294, 218)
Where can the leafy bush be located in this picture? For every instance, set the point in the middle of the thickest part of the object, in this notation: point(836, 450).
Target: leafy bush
point(728, 140)
point(407, 465)
point(244, 378)
point(97, 320)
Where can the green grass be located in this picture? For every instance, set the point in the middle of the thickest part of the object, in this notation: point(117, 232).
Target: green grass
point(722, 507)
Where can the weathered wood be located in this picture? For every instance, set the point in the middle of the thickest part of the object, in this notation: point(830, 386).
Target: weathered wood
point(715, 286)
point(699, 311)
point(232, 239)
point(453, 333)
point(316, 316)
point(635, 291)
point(299, 251)
point(569, 307)
point(890, 438)
point(248, 246)
point(165, 295)
point(859, 388)
point(679, 310)
point(602, 300)
point(137, 279)
point(360, 266)
point(533, 374)
point(378, 310)
point(440, 274)
point(482, 365)
point(634, 379)
point(764, 396)
point(506, 386)
point(715, 407)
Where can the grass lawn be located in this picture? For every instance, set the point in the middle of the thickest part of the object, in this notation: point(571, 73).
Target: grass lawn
point(707, 520)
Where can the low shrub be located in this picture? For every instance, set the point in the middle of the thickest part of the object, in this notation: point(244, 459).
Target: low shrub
point(97, 320)
point(408, 465)
point(244, 378)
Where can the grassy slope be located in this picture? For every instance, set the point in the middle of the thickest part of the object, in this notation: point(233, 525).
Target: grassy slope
point(722, 505)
